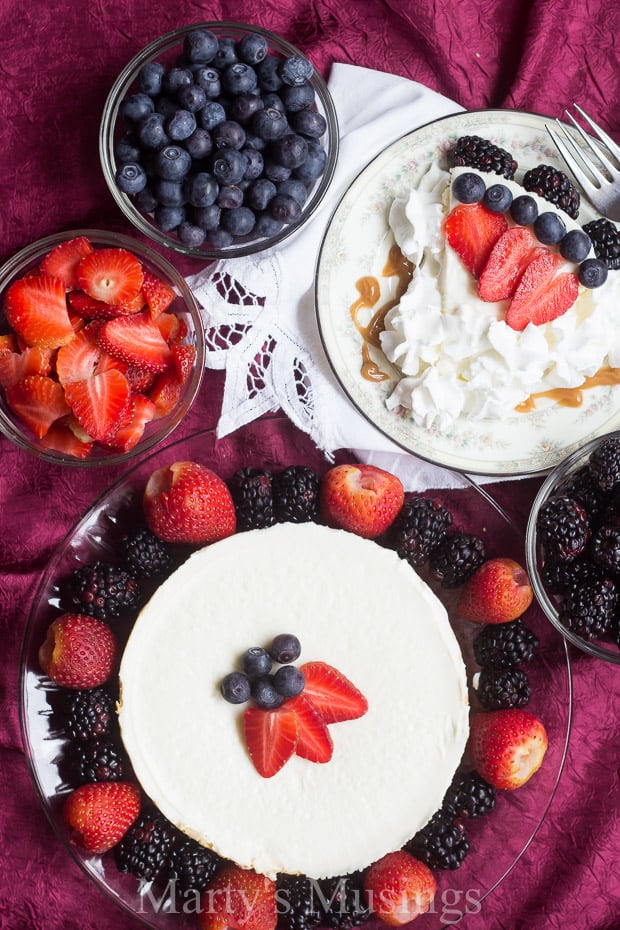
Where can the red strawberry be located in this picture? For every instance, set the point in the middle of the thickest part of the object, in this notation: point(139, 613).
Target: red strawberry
point(98, 815)
point(542, 295)
point(137, 341)
point(399, 888)
point(91, 309)
point(361, 498)
point(506, 746)
point(187, 502)
point(36, 308)
point(472, 231)
point(314, 741)
point(140, 380)
point(183, 359)
point(172, 328)
point(62, 261)
point(158, 294)
point(498, 592)
point(79, 358)
point(239, 899)
point(62, 439)
point(166, 392)
point(8, 343)
point(112, 275)
point(38, 402)
point(78, 651)
point(100, 403)
point(131, 431)
point(332, 694)
point(17, 365)
point(271, 737)
point(509, 258)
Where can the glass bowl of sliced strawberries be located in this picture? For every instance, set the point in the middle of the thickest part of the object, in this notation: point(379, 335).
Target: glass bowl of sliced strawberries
point(101, 348)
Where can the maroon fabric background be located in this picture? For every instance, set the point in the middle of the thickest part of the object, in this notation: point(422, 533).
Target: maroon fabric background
point(57, 63)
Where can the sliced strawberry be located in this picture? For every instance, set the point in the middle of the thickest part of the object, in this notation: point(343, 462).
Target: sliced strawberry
point(61, 438)
point(172, 328)
point(140, 380)
point(36, 308)
point(183, 359)
point(472, 231)
point(137, 341)
point(17, 365)
point(89, 308)
point(38, 402)
point(332, 694)
point(509, 258)
point(542, 294)
point(166, 392)
point(271, 737)
point(314, 741)
point(112, 275)
point(78, 431)
point(158, 294)
point(79, 358)
point(99, 403)
point(8, 343)
point(141, 411)
point(62, 261)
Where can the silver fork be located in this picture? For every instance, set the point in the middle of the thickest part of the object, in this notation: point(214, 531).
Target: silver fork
point(595, 164)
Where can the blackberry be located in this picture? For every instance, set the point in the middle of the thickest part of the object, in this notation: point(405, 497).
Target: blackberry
point(252, 493)
point(563, 527)
point(588, 610)
point(300, 907)
point(344, 905)
point(296, 494)
point(502, 688)
point(456, 558)
point(554, 186)
point(562, 577)
point(605, 548)
point(146, 848)
point(441, 844)
point(605, 238)
point(583, 487)
point(97, 760)
point(145, 555)
point(605, 463)
point(90, 714)
point(419, 528)
point(101, 590)
point(469, 795)
point(505, 645)
point(475, 152)
point(192, 866)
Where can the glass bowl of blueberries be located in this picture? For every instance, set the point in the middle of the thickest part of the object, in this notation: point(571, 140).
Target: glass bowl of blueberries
point(219, 140)
point(573, 547)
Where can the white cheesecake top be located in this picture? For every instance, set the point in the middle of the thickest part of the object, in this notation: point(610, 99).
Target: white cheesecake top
point(353, 605)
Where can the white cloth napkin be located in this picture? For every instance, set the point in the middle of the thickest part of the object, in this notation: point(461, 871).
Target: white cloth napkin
point(259, 312)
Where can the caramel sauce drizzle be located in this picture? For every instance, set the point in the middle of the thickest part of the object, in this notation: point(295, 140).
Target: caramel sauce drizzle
point(572, 397)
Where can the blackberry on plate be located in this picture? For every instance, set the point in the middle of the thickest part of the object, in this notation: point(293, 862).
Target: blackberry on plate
point(469, 795)
point(101, 590)
point(296, 494)
point(456, 558)
point(562, 577)
point(583, 487)
point(90, 714)
point(146, 848)
point(563, 527)
point(502, 688)
point(97, 760)
point(553, 185)
point(605, 238)
point(300, 907)
point(475, 152)
point(344, 903)
point(441, 844)
point(192, 866)
point(505, 645)
point(419, 528)
point(145, 555)
point(252, 493)
point(605, 463)
point(605, 548)
point(588, 610)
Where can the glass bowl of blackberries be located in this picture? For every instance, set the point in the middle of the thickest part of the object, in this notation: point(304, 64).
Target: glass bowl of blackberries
point(219, 140)
point(573, 547)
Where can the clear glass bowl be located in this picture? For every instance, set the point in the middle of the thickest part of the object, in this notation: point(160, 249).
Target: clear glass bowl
point(165, 50)
point(184, 306)
point(497, 841)
point(599, 649)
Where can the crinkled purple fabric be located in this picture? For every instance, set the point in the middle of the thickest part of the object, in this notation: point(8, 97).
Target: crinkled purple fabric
point(57, 63)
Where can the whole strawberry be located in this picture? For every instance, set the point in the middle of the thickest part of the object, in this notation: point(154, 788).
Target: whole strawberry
point(98, 815)
point(78, 651)
point(399, 888)
point(506, 746)
point(188, 503)
point(363, 499)
point(239, 899)
point(498, 592)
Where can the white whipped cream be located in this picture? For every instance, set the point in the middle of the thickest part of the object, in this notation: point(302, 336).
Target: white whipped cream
point(457, 356)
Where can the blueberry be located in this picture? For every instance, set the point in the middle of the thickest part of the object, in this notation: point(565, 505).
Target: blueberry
point(284, 208)
point(523, 210)
point(235, 688)
point(173, 162)
point(276, 172)
point(125, 150)
point(497, 198)
point(169, 193)
point(267, 225)
point(208, 79)
point(145, 200)
point(150, 78)
point(294, 188)
point(239, 78)
point(575, 245)
point(151, 132)
point(255, 142)
point(200, 45)
point(298, 97)
point(290, 150)
point(207, 217)
point(270, 123)
point(169, 218)
point(260, 193)
point(228, 166)
point(211, 115)
point(309, 123)
point(238, 221)
point(285, 648)
point(265, 694)
point(167, 106)
point(252, 48)
point(289, 681)
point(180, 125)
point(136, 107)
point(244, 106)
point(314, 165)
point(229, 134)
point(226, 53)
point(256, 662)
point(549, 228)
point(273, 100)
point(199, 144)
point(220, 239)
point(468, 187)
point(201, 189)
point(295, 70)
point(229, 197)
point(191, 235)
point(192, 98)
point(267, 72)
point(255, 165)
point(131, 178)
point(592, 272)
point(175, 78)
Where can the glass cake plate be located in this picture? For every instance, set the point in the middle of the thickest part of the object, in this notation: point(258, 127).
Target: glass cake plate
point(497, 840)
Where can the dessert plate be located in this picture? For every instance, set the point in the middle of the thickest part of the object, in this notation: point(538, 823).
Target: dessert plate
point(497, 840)
point(356, 246)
